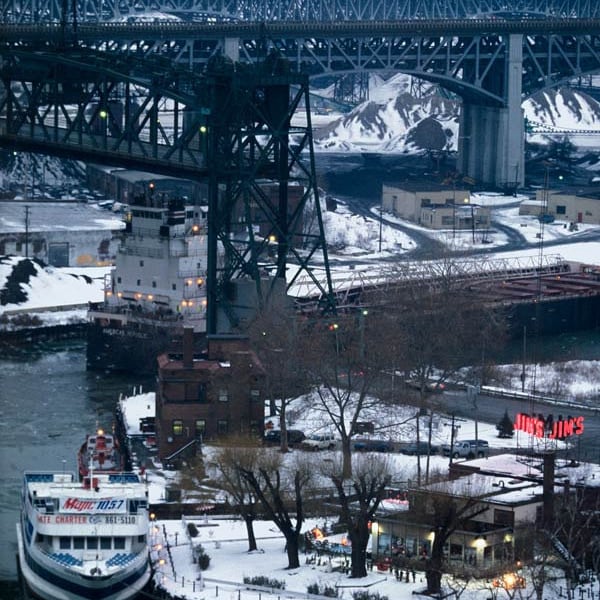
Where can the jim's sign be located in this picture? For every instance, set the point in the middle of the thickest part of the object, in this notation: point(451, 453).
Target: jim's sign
point(546, 427)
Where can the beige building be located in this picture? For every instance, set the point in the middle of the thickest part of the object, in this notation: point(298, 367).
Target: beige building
point(434, 206)
point(573, 205)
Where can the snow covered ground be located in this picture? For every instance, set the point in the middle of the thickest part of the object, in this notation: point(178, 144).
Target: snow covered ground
point(224, 540)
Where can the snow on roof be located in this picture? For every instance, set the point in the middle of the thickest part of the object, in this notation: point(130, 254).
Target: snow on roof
point(55, 216)
point(137, 407)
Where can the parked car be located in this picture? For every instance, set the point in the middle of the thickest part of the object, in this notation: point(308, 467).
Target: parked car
point(372, 446)
point(294, 436)
point(467, 449)
point(431, 386)
point(421, 448)
point(324, 441)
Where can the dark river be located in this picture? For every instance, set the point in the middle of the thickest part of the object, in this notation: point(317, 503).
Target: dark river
point(48, 403)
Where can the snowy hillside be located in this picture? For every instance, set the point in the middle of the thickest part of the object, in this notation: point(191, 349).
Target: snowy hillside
point(396, 120)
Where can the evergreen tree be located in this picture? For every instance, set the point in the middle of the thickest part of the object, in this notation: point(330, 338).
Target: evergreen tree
point(505, 427)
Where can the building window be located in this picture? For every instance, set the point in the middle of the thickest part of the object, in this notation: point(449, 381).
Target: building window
point(141, 263)
point(255, 395)
point(202, 392)
point(154, 284)
point(177, 427)
point(223, 395)
point(173, 286)
point(561, 210)
point(200, 427)
point(18, 246)
point(139, 282)
point(222, 426)
point(254, 427)
point(118, 280)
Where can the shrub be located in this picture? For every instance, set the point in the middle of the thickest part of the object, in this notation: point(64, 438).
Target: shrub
point(265, 582)
point(202, 558)
point(364, 595)
point(328, 591)
point(192, 530)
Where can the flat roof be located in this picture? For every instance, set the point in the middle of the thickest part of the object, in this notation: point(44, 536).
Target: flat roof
point(56, 216)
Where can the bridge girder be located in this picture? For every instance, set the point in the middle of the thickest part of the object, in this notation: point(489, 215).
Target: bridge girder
point(462, 57)
point(26, 11)
point(228, 127)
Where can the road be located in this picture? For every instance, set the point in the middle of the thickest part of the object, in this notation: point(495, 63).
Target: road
point(490, 410)
point(358, 184)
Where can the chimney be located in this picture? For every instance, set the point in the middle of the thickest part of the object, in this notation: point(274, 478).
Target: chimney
point(188, 347)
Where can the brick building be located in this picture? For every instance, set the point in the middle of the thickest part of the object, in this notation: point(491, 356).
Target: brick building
point(208, 395)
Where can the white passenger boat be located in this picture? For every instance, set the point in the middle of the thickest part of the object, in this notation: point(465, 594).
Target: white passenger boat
point(84, 540)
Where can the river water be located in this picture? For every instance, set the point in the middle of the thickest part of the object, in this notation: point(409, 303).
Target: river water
point(48, 403)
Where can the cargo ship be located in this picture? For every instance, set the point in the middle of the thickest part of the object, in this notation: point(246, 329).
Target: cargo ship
point(157, 287)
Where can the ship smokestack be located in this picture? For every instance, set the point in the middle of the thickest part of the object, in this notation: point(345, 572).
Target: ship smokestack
point(188, 347)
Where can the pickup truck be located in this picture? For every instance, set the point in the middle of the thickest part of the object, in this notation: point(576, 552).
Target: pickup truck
point(325, 441)
point(467, 449)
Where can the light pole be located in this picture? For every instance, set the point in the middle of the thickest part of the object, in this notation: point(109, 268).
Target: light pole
point(380, 222)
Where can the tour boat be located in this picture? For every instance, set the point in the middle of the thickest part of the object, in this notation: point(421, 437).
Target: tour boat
point(100, 452)
point(84, 540)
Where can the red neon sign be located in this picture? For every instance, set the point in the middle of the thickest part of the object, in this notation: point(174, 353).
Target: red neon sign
point(541, 427)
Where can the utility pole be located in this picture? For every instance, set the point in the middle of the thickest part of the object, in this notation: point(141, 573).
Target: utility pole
point(380, 222)
point(523, 365)
point(26, 231)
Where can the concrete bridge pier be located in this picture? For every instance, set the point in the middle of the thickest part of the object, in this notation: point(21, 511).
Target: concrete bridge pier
point(491, 144)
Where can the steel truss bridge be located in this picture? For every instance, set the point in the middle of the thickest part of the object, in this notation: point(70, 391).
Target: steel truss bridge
point(27, 11)
point(229, 129)
point(492, 64)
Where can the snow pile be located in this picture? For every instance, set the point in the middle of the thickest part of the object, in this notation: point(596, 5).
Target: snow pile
point(28, 285)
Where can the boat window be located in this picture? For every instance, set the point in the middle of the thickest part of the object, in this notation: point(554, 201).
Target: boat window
point(39, 538)
point(78, 543)
point(119, 543)
point(105, 543)
point(64, 543)
point(142, 539)
point(92, 543)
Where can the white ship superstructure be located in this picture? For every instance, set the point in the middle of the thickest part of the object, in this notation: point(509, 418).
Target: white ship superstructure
point(84, 540)
point(157, 287)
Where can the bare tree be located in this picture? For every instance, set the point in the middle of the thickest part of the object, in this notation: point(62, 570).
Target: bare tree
point(359, 498)
point(274, 333)
point(227, 465)
point(280, 490)
point(438, 329)
point(445, 507)
point(344, 358)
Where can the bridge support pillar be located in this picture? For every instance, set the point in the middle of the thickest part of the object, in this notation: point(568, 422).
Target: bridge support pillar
point(491, 146)
point(231, 48)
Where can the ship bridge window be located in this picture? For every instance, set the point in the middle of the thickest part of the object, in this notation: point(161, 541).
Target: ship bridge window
point(78, 543)
point(64, 543)
point(105, 543)
point(119, 543)
point(92, 543)
point(142, 539)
